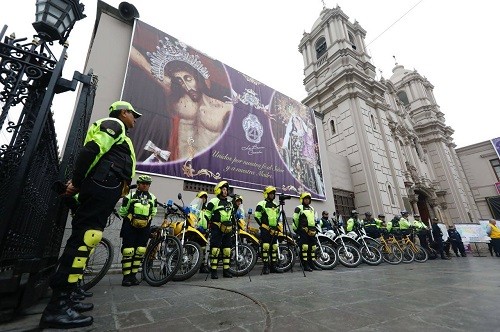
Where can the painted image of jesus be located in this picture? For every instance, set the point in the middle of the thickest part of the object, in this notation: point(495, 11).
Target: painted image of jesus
point(181, 93)
point(295, 136)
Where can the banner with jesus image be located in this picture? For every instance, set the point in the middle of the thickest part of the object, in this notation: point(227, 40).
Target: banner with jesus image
point(205, 121)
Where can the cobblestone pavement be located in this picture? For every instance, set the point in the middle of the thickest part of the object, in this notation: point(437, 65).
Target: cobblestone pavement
point(462, 294)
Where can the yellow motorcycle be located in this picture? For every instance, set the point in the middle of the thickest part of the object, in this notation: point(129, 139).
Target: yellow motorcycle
point(251, 236)
point(182, 223)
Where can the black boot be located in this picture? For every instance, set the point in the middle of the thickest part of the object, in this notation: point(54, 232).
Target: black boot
point(203, 268)
point(75, 295)
point(213, 274)
point(226, 273)
point(60, 315)
point(127, 281)
point(79, 306)
point(81, 291)
point(265, 269)
point(306, 266)
point(274, 269)
point(134, 280)
point(313, 266)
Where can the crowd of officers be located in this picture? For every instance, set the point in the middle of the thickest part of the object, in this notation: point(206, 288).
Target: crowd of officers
point(401, 226)
point(103, 173)
point(215, 215)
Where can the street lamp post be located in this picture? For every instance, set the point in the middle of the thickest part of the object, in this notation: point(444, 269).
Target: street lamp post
point(30, 75)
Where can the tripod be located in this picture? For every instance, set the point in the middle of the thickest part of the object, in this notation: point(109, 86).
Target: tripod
point(286, 230)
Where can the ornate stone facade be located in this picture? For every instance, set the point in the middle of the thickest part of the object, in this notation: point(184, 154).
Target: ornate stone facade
point(399, 149)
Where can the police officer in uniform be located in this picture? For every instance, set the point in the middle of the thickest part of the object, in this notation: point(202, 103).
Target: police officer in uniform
point(456, 241)
point(422, 231)
point(394, 226)
point(370, 225)
point(438, 238)
point(266, 215)
point(218, 212)
point(324, 222)
point(104, 168)
point(305, 226)
point(353, 221)
point(404, 223)
point(381, 224)
point(137, 210)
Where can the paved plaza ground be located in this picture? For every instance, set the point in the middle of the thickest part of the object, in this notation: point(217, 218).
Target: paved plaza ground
point(462, 294)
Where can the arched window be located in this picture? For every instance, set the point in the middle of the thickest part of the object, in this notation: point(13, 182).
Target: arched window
point(332, 127)
point(352, 40)
point(320, 47)
point(403, 97)
point(374, 125)
point(391, 194)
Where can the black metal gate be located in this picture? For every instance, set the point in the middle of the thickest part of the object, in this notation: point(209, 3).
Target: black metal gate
point(32, 220)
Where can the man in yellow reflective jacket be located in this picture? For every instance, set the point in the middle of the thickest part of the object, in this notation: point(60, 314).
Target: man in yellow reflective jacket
point(104, 167)
point(138, 209)
point(218, 212)
point(304, 224)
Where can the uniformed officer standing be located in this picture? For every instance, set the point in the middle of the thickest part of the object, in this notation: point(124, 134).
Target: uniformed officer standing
point(266, 215)
point(353, 221)
point(218, 212)
point(104, 168)
point(422, 231)
point(137, 210)
point(370, 225)
point(305, 226)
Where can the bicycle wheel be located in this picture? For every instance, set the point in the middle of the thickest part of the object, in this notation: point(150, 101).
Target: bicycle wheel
point(392, 254)
point(162, 260)
point(286, 258)
point(98, 264)
point(420, 254)
point(190, 262)
point(408, 255)
point(371, 255)
point(244, 262)
point(432, 253)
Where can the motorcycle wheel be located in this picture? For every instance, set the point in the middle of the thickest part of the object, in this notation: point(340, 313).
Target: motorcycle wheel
point(329, 259)
point(286, 258)
point(392, 254)
point(349, 255)
point(190, 261)
point(244, 262)
point(421, 254)
point(371, 255)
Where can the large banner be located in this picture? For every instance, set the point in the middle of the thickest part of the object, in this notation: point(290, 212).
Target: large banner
point(205, 121)
point(496, 145)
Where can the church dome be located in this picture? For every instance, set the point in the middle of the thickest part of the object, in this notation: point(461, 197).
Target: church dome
point(398, 72)
point(319, 21)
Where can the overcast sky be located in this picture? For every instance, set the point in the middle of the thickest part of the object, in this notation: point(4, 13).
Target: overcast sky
point(451, 42)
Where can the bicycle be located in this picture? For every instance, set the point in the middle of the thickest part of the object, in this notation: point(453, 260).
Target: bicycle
point(408, 254)
point(163, 254)
point(391, 253)
point(99, 260)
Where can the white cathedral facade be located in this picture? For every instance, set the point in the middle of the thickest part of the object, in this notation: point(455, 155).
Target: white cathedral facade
point(388, 145)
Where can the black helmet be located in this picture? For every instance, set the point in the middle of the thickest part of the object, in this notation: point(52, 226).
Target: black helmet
point(368, 214)
point(381, 215)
